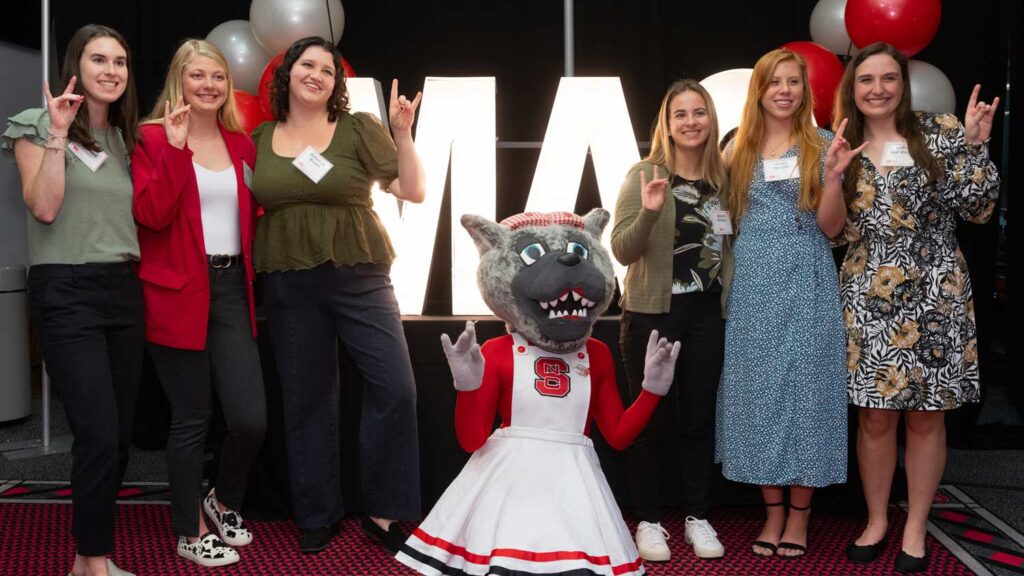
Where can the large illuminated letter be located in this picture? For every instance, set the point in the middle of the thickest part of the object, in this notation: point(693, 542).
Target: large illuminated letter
point(589, 113)
point(456, 121)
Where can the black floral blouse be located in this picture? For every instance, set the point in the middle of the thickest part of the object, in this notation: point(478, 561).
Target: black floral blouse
point(911, 337)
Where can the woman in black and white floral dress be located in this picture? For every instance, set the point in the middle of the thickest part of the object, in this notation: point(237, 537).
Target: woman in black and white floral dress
point(911, 338)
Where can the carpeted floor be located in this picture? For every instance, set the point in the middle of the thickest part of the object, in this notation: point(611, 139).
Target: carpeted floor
point(35, 540)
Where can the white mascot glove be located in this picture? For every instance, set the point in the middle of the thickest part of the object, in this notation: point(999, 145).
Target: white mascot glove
point(465, 359)
point(660, 364)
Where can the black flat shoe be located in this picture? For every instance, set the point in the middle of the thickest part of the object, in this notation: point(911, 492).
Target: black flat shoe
point(392, 538)
point(864, 554)
point(316, 539)
point(908, 564)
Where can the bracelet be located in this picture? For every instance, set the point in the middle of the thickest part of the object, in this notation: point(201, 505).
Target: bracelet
point(56, 139)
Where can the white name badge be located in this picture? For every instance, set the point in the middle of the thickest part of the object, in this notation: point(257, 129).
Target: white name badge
point(247, 174)
point(91, 159)
point(780, 169)
point(896, 154)
point(312, 164)
point(720, 222)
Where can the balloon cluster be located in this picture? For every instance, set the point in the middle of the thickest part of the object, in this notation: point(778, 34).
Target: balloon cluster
point(272, 27)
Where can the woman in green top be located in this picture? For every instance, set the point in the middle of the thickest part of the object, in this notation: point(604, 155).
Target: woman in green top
point(324, 259)
point(664, 231)
point(85, 299)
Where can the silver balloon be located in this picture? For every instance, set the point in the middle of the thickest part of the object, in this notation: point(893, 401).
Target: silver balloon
point(930, 90)
point(245, 56)
point(278, 23)
point(828, 27)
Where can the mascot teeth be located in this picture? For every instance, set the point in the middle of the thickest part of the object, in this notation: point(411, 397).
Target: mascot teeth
point(576, 295)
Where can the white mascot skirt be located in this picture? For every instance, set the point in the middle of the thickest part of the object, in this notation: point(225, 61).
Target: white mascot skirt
point(529, 501)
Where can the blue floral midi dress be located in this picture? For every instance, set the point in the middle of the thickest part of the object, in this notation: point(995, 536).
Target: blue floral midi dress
point(781, 416)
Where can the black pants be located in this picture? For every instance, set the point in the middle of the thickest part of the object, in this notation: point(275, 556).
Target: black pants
point(307, 312)
point(89, 321)
point(687, 413)
point(230, 364)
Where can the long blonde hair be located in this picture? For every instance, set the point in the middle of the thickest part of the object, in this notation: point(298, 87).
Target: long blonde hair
point(189, 49)
point(712, 169)
point(751, 133)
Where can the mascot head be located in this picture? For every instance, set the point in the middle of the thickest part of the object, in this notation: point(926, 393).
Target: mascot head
point(545, 274)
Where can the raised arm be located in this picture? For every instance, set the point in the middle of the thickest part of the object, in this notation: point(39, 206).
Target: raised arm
point(620, 427)
point(161, 166)
point(636, 210)
point(42, 168)
point(410, 184)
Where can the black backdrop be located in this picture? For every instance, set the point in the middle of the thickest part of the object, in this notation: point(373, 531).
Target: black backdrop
point(647, 43)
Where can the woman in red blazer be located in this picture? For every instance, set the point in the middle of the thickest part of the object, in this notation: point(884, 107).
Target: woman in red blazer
point(196, 215)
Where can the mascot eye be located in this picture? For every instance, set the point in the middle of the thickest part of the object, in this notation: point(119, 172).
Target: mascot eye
point(577, 249)
point(532, 253)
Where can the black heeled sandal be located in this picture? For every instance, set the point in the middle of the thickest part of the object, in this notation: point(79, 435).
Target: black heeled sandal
point(790, 545)
point(762, 543)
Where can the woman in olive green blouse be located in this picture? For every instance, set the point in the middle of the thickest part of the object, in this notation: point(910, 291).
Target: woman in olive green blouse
point(324, 259)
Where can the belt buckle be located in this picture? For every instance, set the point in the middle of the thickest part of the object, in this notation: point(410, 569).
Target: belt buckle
point(220, 261)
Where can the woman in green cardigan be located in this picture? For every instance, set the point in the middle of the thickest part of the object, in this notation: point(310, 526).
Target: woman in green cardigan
point(671, 232)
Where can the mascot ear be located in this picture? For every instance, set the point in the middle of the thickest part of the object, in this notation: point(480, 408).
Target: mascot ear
point(595, 221)
point(486, 234)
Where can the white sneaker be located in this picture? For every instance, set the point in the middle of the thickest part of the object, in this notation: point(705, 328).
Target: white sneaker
point(228, 523)
point(650, 541)
point(208, 551)
point(704, 538)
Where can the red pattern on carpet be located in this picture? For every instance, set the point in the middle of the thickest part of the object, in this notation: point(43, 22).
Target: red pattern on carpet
point(35, 540)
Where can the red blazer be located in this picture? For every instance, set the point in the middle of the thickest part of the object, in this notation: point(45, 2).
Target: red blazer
point(173, 268)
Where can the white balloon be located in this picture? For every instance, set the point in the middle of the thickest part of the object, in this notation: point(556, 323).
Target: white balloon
point(930, 90)
point(828, 27)
point(245, 56)
point(728, 89)
point(278, 23)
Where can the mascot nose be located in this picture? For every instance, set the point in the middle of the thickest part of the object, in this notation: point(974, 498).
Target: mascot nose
point(569, 259)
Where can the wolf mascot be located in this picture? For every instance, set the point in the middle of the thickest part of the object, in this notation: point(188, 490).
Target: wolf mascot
point(532, 499)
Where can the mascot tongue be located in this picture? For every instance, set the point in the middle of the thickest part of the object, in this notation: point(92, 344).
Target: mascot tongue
point(545, 274)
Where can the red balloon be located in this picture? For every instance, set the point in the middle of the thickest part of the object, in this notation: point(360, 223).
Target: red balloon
point(249, 111)
point(268, 76)
point(824, 71)
point(909, 25)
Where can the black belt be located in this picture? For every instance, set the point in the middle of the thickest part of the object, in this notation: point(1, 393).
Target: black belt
point(223, 260)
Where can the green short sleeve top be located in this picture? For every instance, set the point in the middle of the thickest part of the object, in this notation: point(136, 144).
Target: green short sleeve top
point(95, 222)
point(306, 224)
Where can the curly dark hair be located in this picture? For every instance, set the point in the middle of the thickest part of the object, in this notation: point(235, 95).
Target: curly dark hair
point(338, 101)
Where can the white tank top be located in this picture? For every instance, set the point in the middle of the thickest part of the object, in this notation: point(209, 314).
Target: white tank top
point(218, 198)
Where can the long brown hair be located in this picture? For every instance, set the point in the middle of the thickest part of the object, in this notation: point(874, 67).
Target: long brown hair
point(172, 91)
point(906, 121)
point(124, 112)
point(751, 132)
point(712, 169)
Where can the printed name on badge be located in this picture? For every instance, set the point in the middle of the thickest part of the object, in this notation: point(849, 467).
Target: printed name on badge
point(780, 169)
point(720, 222)
point(896, 154)
point(312, 164)
point(91, 159)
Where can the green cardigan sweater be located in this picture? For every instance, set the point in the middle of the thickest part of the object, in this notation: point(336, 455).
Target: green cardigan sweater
point(642, 240)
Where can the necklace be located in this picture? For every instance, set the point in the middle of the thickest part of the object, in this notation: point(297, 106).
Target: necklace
point(772, 149)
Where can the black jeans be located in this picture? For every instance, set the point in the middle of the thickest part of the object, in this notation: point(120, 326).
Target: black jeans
point(687, 413)
point(230, 364)
point(89, 321)
point(307, 312)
